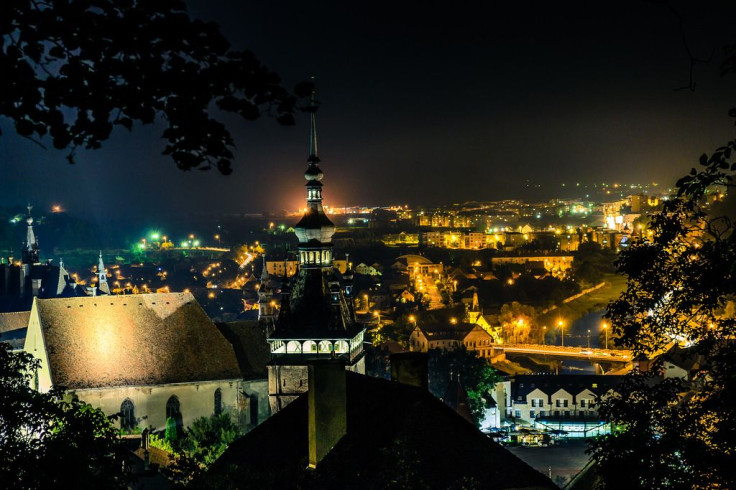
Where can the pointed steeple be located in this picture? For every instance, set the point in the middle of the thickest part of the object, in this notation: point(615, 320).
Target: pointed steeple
point(102, 284)
point(313, 154)
point(30, 253)
point(264, 271)
point(315, 229)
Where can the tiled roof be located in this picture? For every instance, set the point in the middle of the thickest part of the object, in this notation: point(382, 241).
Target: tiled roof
point(446, 332)
point(385, 420)
point(251, 348)
point(574, 384)
point(142, 339)
point(14, 320)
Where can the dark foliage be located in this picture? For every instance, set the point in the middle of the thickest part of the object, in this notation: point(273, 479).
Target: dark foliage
point(476, 376)
point(73, 70)
point(681, 291)
point(591, 262)
point(47, 442)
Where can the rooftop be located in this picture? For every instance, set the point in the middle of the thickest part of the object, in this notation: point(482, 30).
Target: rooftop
point(144, 339)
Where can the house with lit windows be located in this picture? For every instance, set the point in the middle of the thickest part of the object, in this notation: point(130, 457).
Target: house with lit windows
point(565, 402)
point(148, 357)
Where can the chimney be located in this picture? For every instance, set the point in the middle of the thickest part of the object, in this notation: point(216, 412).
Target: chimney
point(327, 407)
point(410, 368)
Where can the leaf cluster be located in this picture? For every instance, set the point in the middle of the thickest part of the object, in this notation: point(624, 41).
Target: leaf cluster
point(477, 377)
point(47, 441)
point(680, 303)
point(73, 70)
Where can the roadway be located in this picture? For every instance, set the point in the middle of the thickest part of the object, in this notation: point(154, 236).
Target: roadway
point(575, 352)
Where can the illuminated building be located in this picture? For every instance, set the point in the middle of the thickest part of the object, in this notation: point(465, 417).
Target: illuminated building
point(266, 304)
point(564, 402)
point(102, 285)
point(316, 320)
point(149, 356)
point(30, 278)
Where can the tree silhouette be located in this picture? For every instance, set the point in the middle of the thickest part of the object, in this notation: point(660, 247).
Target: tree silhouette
point(73, 70)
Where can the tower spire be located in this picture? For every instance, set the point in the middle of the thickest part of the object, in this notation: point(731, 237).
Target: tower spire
point(30, 253)
point(264, 271)
point(313, 153)
point(102, 284)
point(315, 229)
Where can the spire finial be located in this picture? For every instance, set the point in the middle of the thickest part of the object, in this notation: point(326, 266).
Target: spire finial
point(313, 153)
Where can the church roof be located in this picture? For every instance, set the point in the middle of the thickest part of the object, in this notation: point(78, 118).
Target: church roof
point(145, 339)
point(248, 338)
point(393, 430)
point(14, 320)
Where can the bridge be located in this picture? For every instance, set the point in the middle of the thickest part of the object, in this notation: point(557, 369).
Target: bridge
point(593, 354)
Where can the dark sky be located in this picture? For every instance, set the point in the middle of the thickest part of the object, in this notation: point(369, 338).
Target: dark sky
point(426, 103)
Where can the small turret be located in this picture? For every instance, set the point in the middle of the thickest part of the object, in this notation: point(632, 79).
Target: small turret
point(30, 254)
point(102, 285)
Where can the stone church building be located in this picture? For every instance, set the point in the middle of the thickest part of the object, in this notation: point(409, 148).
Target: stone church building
point(148, 357)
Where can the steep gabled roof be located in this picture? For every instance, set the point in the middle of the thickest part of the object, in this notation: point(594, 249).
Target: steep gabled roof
point(14, 320)
point(393, 430)
point(574, 384)
point(145, 339)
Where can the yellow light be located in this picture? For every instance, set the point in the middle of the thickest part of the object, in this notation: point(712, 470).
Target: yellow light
point(411, 318)
point(453, 320)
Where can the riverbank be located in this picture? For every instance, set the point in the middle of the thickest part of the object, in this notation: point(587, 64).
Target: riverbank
point(596, 299)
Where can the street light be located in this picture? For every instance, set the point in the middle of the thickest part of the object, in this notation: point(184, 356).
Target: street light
point(377, 314)
point(588, 338)
point(544, 335)
point(561, 324)
point(605, 329)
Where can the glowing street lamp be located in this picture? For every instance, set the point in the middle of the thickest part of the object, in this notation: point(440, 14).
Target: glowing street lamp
point(544, 335)
point(605, 329)
point(561, 324)
point(377, 314)
point(453, 321)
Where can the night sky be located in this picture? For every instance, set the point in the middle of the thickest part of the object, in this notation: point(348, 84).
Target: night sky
point(425, 103)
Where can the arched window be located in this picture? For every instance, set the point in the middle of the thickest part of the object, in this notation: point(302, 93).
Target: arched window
point(294, 347)
point(173, 410)
point(310, 346)
point(127, 415)
point(218, 401)
point(341, 347)
point(325, 347)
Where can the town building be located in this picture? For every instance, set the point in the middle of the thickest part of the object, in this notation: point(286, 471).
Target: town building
point(267, 310)
point(557, 265)
point(317, 317)
point(150, 357)
point(563, 402)
point(278, 268)
point(417, 265)
point(22, 281)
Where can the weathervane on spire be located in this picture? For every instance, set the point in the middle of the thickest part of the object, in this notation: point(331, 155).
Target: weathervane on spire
point(312, 109)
